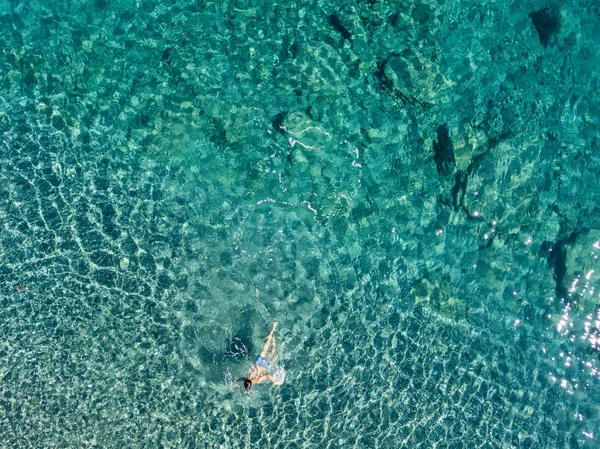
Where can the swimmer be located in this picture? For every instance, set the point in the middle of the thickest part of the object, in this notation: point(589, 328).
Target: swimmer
point(257, 373)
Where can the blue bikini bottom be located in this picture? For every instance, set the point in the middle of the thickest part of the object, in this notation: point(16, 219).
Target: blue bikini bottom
point(262, 362)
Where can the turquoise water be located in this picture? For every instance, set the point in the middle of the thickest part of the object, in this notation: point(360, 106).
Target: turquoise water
point(409, 188)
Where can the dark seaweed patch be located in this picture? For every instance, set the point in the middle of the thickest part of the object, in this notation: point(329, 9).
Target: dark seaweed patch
point(443, 151)
point(546, 24)
point(277, 122)
point(385, 82)
point(388, 85)
point(334, 21)
point(459, 190)
point(556, 255)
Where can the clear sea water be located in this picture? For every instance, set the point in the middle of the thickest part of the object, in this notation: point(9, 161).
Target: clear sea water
point(409, 187)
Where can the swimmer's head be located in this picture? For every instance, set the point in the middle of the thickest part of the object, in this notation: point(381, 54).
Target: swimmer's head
point(247, 384)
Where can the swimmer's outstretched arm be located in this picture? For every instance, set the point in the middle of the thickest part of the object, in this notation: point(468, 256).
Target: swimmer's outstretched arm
point(268, 377)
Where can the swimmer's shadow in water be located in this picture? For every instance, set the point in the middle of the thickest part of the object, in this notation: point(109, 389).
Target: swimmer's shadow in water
point(238, 349)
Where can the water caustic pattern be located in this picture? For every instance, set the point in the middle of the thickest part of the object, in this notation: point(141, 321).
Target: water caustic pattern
point(409, 188)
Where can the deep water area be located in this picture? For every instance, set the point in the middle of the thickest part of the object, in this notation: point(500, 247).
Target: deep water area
point(410, 188)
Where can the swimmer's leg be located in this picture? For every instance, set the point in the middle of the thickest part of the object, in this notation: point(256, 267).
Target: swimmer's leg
point(270, 341)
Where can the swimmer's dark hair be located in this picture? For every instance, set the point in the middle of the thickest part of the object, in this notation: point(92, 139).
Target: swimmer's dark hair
point(247, 382)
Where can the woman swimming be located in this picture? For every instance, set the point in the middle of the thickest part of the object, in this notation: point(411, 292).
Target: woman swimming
point(257, 373)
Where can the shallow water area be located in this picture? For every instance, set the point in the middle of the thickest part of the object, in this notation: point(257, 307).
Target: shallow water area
point(409, 188)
